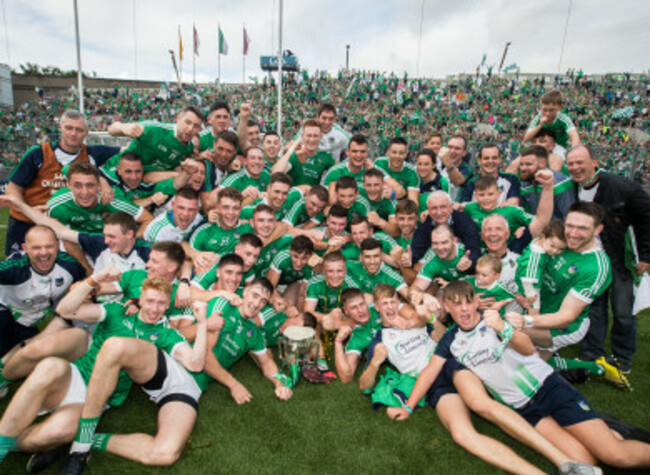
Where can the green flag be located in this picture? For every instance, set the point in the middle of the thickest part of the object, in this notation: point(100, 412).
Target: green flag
point(223, 44)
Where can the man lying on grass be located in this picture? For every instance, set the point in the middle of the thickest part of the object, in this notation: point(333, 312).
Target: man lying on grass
point(507, 363)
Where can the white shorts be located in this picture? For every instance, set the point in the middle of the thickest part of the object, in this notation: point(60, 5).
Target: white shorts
point(76, 393)
point(561, 338)
point(172, 382)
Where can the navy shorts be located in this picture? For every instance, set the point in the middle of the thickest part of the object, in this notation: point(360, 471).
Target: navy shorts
point(559, 400)
point(444, 383)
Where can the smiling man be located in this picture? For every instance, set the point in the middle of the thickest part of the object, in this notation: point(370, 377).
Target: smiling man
point(251, 180)
point(32, 283)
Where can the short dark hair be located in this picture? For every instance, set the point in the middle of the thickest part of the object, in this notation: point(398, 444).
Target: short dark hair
point(326, 107)
point(485, 182)
point(427, 152)
point(252, 148)
point(359, 139)
point(335, 256)
point(537, 150)
point(487, 145)
point(546, 133)
point(370, 244)
point(194, 110)
point(458, 291)
point(188, 193)
point(173, 251)
point(461, 137)
point(252, 122)
point(554, 229)
point(130, 157)
point(320, 192)
point(263, 208)
point(220, 105)
point(228, 136)
point(346, 182)
point(397, 141)
point(83, 168)
point(124, 220)
point(358, 220)
point(302, 245)
point(231, 259)
point(406, 206)
point(350, 294)
point(252, 240)
point(281, 177)
point(338, 211)
point(264, 282)
point(594, 210)
point(373, 173)
point(230, 193)
point(271, 133)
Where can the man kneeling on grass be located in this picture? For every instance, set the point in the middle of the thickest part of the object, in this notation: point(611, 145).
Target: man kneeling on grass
point(506, 361)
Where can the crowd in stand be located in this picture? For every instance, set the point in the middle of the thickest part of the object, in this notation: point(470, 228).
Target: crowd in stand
point(438, 271)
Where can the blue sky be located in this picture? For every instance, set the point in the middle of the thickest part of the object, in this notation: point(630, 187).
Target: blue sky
point(384, 35)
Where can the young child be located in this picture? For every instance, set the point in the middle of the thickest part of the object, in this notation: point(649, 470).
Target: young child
point(534, 259)
point(487, 285)
point(551, 117)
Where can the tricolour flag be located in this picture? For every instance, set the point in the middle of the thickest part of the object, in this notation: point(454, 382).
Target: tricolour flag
point(196, 41)
point(223, 44)
point(180, 44)
point(247, 42)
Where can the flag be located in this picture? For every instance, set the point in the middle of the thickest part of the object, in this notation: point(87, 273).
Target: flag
point(484, 58)
point(196, 41)
point(180, 44)
point(223, 44)
point(247, 42)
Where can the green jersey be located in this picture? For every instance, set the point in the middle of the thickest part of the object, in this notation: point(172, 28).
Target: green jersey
point(238, 335)
point(515, 216)
point(213, 238)
point(242, 180)
point(435, 267)
point(530, 266)
point(206, 139)
point(497, 290)
point(64, 209)
point(360, 207)
point(362, 335)
point(384, 207)
point(144, 190)
point(310, 172)
point(294, 195)
point(297, 215)
point(352, 252)
point(158, 146)
point(271, 324)
point(407, 176)
point(114, 322)
point(327, 298)
point(283, 265)
point(267, 254)
point(584, 275)
point(562, 125)
point(367, 282)
point(343, 169)
point(130, 284)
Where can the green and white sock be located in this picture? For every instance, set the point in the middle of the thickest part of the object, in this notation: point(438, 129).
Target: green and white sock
point(560, 363)
point(7, 444)
point(100, 441)
point(83, 440)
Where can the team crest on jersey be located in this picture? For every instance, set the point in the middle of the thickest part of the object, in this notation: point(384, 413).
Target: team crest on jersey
point(59, 281)
point(584, 406)
point(249, 333)
point(154, 336)
point(572, 269)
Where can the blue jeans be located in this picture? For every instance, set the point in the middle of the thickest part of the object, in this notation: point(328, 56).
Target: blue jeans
point(623, 334)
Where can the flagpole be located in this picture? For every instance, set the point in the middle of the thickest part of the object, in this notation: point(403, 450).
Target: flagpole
point(279, 126)
point(135, 44)
point(79, 74)
point(244, 58)
point(194, 54)
point(180, 58)
point(219, 55)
